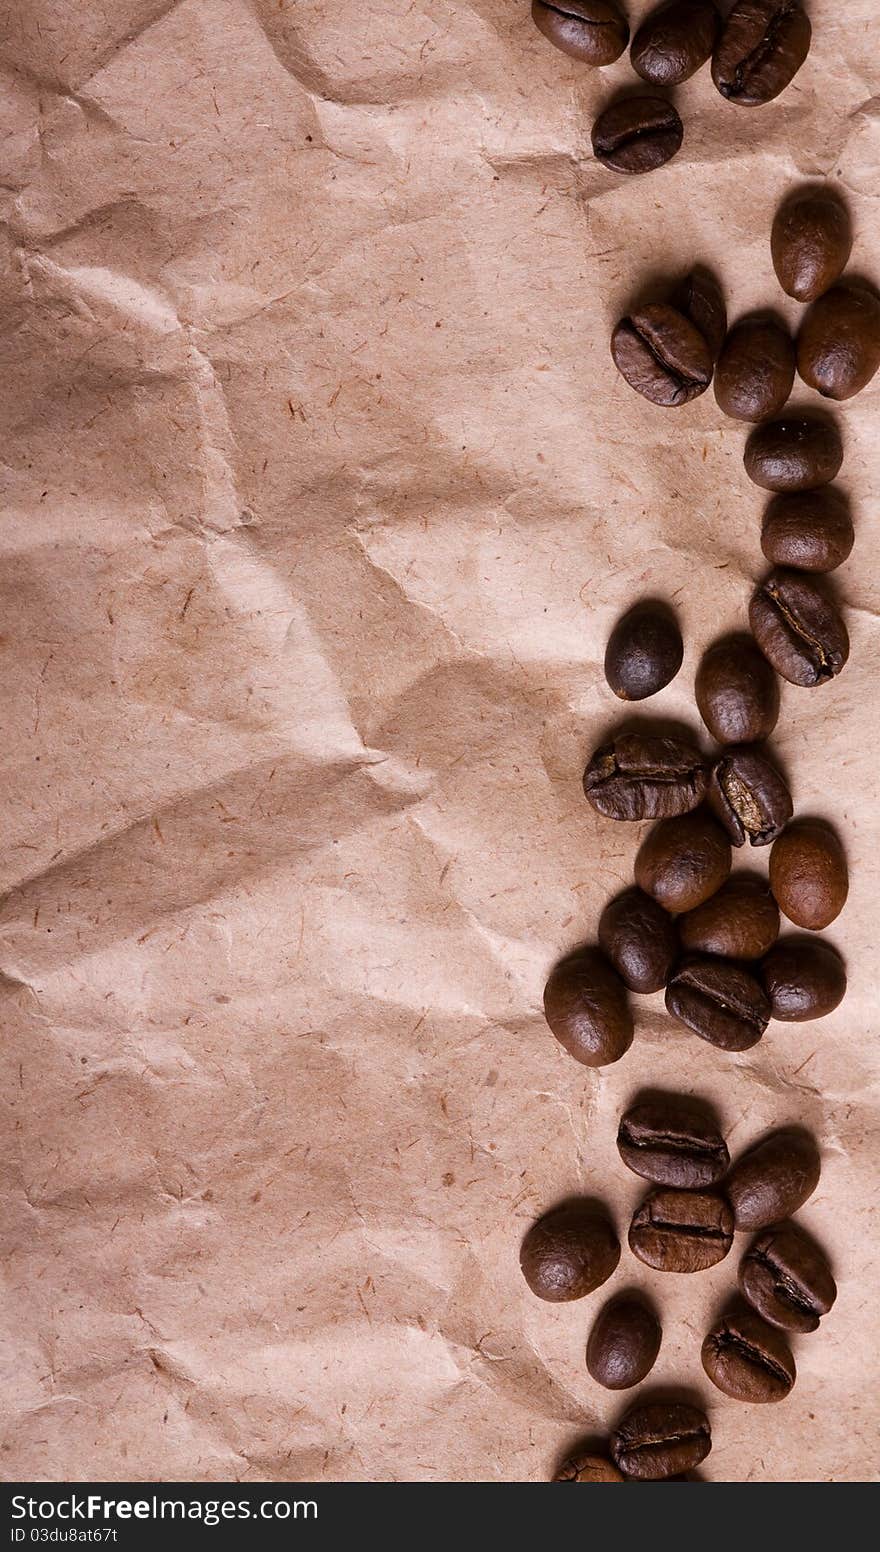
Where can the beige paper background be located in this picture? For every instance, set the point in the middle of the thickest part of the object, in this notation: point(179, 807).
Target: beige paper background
point(320, 495)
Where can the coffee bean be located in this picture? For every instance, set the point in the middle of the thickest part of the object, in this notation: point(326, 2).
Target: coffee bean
point(639, 938)
point(591, 30)
point(569, 1252)
point(809, 530)
point(681, 862)
point(838, 347)
point(773, 1178)
point(586, 1006)
point(637, 134)
point(639, 776)
point(808, 874)
point(804, 979)
point(644, 652)
point(799, 630)
point(719, 1001)
point(681, 1231)
point(811, 244)
point(662, 355)
point(762, 47)
point(754, 374)
point(797, 454)
point(659, 1439)
point(674, 41)
point(674, 1142)
point(587, 1467)
point(698, 296)
point(736, 691)
point(787, 1279)
point(624, 1342)
point(741, 921)
point(749, 796)
point(748, 1359)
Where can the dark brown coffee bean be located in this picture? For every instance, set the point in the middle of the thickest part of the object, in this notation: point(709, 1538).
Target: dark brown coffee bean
point(639, 938)
point(586, 1006)
point(644, 652)
point(741, 921)
point(624, 1342)
point(673, 1142)
point(637, 134)
point(699, 298)
point(588, 1467)
point(591, 30)
point(762, 47)
point(749, 796)
point(787, 1279)
point(736, 691)
point(674, 41)
point(681, 862)
point(808, 874)
point(773, 1178)
point(569, 1252)
point(811, 244)
point(799, 454)
point(662, 355)
point(799, 630)
point(659, 1439)
point(754, 374)
point(804, 979)
point(747, 1359)
point(719, 1001)
point(808, 530)
point(638, 776)
point(681, 1231)
point(838, 348)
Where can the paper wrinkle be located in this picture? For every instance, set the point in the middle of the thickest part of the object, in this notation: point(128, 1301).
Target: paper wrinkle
point(320, 497)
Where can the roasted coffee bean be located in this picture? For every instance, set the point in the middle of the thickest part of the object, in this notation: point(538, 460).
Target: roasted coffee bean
point(811, 244)
point(748, 1359)
point(838, 348)
point(799, 630)
point(624, 1342)
point(809, 530)
point(787, 1279)
point(569, 1252)
point(591, 30)
point(749, 796)
point(637, 135)
point(699, 298)
point(586, 1006)
point(638, 776)
point(754, 374)
point(762, 46)
point(797, 454)
point(804, 979)
point(673, 1142)
point(588, 1467)
point(681, 862)
point(736, 691)
point(808, 874)
point(719, 1001)
point(773, 1178)
point(681, 1231)
point(674, 41)
point(662, 355)
point(659, 1439)
point(741, 921)
point(639, 938)
point(644, 652)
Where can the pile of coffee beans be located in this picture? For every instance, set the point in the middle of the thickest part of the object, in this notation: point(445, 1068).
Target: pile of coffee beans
point(755, 53)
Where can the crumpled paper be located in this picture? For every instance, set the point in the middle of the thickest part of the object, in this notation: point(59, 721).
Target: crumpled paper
point(320, 497)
